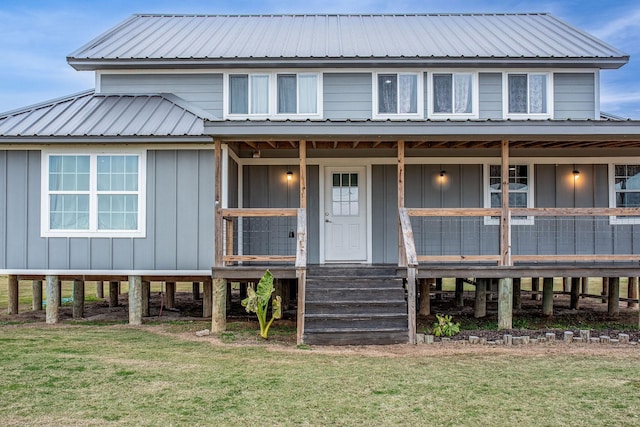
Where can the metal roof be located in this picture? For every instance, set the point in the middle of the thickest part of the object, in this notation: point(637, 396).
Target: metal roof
point(88, 114)
point(200, 40)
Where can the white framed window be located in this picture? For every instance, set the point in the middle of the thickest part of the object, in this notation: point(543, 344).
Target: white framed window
point(282, 95)
point(453, 95)
point(397, 95)
point(93, 194)
point(625, 184)
point(528, 94)
point(520, 190)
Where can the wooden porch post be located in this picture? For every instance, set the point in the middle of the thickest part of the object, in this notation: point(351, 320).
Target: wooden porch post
point(146, 294)
point(135, 300)
point(207, 298)
point(219, 317)
point(36, 302)
point(113, 294)
point(78, 299)
point(547, 296)
point(505, 285)
point(301, 273)
point(402, 257)
point(614, 296)
point(575, 293)
point(480, 307)
point(12, 285)
point(53, 294)
point(535, 288)
point(459, 295)
point(632, 292)
point(505, 303)
point(425, 299)
point(218, 226)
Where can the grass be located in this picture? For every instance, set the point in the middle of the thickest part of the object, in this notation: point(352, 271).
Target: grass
point(116, 375)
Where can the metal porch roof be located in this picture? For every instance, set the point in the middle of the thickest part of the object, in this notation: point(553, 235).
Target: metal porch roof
point(88, 114)
point(199, 40)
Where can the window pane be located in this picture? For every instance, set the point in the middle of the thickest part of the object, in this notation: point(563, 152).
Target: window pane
point(336, 179)
point(387, 93)
point(308, 92)
point(408, 93)
point(442, 102)
point(259, 94)
point(115, 212)
point(286, 93)
point(238, 94)
point(518, 93)
point(69, 212)
point(538, 93)
point(463, 93)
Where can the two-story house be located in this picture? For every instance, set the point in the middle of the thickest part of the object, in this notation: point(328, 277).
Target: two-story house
point(408, 146)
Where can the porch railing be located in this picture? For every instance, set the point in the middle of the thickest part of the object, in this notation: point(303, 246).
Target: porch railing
point(409, 259)
point(529, 235)
point(265, 235)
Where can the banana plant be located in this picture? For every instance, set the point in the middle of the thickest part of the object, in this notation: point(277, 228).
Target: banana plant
point(257, 301)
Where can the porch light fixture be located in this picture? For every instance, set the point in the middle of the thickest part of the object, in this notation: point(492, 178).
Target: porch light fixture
point(442, 174)
point(289, 175)
point(576, 174)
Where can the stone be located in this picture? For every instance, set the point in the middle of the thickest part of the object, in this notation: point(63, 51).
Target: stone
point(604, 339)
point(483, 340)
point(585, 335)
point(594, 340)
point(508, 339)
point(614, 341)
point(419, 338)
point(428, 339)
point(578, 339)
point(203, 333)
point(623, 338)
point(446, 340)
point(550, 336)
point(533, 341)
point(474, 340)
point(517, 340)
point(526, 339)
point(568, 337)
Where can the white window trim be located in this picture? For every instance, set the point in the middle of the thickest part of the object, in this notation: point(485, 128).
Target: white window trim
point(397, 116)
point(46, 231)
point(505, 96)
point(529, 220)
point(273, 96)
point(475, 93)
point(615, 220)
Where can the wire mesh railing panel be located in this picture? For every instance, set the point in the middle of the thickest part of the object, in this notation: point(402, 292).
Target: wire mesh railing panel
point(445, 236)
point(268, 235)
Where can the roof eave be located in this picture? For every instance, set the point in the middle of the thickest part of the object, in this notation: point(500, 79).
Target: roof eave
point(107, 139)
point(92, 64)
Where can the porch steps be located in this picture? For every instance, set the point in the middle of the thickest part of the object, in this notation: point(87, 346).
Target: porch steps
point(355, 306)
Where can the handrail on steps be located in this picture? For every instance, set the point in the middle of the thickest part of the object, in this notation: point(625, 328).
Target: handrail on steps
point(409, 259)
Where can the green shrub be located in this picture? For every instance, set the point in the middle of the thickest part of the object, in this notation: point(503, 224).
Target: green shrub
point(444, 327)
point(257, 301)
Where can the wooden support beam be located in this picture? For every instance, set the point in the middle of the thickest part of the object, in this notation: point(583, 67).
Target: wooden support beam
point(459, 295)
point(425, 297)
point(614, 296)
point(113, 294)
point(505, 214)
point(505, 303)
point(195, 290)
point(100, 289)
point(566, 284)
point(36, 300)
point(13, 291)
point(135, 300)
point(411, 303)
point(480, 306)
point(78, 299)
point(605, 289)
point(218, 220)
point(535, 288)
point(228, 236)
point(517, 288)
point(146, 295)
point(402, 256)
point(207, 298)
point(219, 315)
point(439, 288)
point(575, 293)
point(547, 296)
point(632, 292)
point(170, 300)
point(228, 294)
point(59, 292)
point(301, 274)
point(302, 153)
point(585, 285)
point(53, 295)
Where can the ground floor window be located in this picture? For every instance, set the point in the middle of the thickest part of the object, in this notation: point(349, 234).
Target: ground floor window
point(93, 194)
point(626, 191)
point(520, 190)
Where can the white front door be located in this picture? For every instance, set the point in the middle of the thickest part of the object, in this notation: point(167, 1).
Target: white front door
point(345, 214)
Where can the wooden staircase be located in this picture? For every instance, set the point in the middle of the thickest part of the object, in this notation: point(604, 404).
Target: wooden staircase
point(355, 306)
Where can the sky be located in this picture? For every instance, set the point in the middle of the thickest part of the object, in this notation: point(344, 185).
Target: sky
point(37, 35)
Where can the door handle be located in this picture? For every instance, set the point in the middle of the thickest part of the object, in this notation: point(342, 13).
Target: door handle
point(327, 220)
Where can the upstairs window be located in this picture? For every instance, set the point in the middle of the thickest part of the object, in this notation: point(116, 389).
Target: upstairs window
point(248, 94)
point(528, 94)
point(272, 95)
point(626, 191)
point(297, 93)
point(95, 194)
point(397, 94)
point(452, 94)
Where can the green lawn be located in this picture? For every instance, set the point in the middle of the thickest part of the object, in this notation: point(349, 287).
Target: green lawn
point(119, 375)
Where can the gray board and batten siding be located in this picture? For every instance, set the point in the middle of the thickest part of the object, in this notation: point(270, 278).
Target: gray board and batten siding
point(202, 90)
point(179, 219)
point(349, 95)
